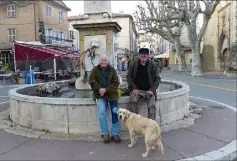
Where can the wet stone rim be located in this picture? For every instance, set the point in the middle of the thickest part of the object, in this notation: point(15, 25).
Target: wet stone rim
point(36, 112)
point(13, 94)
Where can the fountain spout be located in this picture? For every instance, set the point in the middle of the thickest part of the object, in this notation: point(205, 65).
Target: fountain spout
point(82, 82)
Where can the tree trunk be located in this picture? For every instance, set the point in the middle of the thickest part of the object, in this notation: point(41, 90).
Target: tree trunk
point(182, 63)
point(195, 47)
point(196, 62)
point(180, 53)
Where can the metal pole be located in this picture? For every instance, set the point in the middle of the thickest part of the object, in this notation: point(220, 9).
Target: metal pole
point(31, 74)
point(14, 56)
point(54, 66)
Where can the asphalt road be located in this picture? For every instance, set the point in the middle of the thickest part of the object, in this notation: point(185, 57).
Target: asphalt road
point(217, 88)
point(4, 100)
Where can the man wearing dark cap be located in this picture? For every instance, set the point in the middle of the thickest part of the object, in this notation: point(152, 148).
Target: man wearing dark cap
point(143, 80)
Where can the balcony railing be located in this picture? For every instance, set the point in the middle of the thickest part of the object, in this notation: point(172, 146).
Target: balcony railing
point(51, 40)
point(58, 42)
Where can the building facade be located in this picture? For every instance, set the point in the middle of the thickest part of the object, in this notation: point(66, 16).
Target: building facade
point(220, 38)
point(148, 41)
point(44, 21)
point(125, 39)
point(74, 36)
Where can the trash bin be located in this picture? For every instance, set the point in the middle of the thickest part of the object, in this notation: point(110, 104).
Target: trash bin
point(29, 74)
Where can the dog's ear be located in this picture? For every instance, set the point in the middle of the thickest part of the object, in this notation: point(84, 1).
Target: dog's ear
point(127, 114)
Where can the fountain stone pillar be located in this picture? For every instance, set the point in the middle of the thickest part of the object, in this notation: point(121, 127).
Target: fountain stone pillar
point(97, 29)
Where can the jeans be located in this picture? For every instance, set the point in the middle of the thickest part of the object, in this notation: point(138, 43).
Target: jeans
point(113, 105)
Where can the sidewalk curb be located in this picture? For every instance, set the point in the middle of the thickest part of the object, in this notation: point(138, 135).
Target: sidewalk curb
point(205, 74)
point(228, 152)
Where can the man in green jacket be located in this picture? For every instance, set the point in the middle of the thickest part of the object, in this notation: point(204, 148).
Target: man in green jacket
point(104, 82)
point(143, 80)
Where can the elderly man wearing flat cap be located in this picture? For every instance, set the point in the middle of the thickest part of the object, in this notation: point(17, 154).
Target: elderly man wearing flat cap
point(143, 80)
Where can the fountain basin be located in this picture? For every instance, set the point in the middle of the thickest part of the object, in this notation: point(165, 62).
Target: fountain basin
point(79, 115)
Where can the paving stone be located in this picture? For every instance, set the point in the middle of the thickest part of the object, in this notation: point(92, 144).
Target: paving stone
point(71, 150)
point(187, 142)
point(10, 141)
point(220, 121)
point(229, 148)
point(190, 144)
point(4, 124)
point(187, 159)
point(202, 157)
point(24, 132)
point(215, 155)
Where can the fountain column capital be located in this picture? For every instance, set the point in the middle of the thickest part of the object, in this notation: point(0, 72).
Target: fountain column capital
point(94, 7)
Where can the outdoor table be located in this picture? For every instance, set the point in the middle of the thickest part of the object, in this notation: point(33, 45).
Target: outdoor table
point(8, 75)
point(76, 73)
point(37, 74)
point(47, 74)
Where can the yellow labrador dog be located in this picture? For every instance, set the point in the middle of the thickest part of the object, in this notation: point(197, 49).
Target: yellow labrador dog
point(138, 124)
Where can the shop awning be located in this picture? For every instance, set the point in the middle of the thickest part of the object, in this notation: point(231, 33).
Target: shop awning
point(165, 55)
point(42, 52)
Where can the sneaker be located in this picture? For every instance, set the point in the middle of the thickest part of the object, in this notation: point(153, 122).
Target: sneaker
point(106, 138)
point(116, 138)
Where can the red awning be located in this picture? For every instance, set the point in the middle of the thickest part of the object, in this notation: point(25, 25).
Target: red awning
point(39, 52)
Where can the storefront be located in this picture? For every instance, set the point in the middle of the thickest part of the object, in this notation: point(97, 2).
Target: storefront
point(6, 57)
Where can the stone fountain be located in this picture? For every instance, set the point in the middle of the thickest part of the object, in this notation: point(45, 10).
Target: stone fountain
point(75, 114)
point(98, 31)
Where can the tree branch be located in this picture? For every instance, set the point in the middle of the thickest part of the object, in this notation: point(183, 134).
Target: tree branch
point(207, 17)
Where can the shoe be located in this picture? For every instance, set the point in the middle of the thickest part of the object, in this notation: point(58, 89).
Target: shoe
point(106, 138)
point(116, 138)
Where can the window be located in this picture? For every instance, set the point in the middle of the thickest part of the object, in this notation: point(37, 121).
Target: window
point(58, 34)
point(50, 32)
point(60, 16)
point(46, 32)
point(48, 11)
point(61, 35)
point(71, 35)
point(11, 10)
point(54, 33)
point(11, 34)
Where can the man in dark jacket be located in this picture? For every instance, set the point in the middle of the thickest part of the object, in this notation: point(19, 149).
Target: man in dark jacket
point(104, 82)
point(143, 80)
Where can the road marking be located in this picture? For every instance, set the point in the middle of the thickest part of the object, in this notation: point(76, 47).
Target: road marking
point(3, 96)
point(10, 86)
point(4, 102)
point(204, 85)
point(223, 104)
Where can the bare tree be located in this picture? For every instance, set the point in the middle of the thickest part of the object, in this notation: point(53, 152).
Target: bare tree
point(188, 11)
point(152, 19)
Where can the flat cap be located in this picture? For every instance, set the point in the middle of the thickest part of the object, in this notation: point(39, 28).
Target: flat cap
point(143, 51)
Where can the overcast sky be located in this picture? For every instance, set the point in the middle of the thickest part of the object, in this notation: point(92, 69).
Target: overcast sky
point(129, 7)
point(126, 6)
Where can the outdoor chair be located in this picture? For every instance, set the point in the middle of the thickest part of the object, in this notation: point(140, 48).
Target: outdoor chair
point(50, 74)
point(37, 69)
point(66, 74)
point(60, 74)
